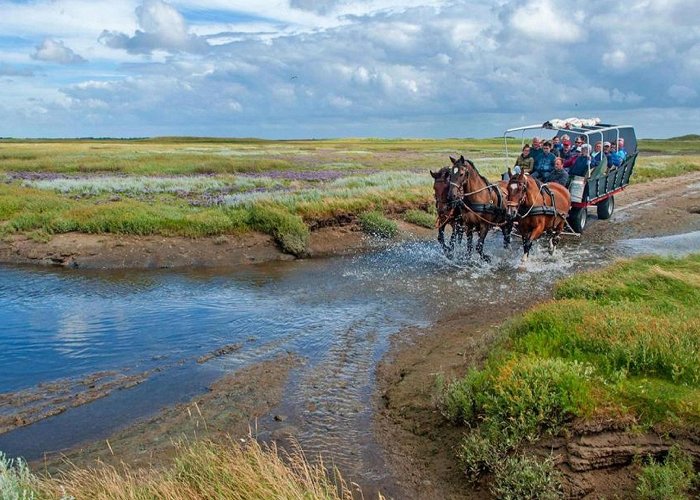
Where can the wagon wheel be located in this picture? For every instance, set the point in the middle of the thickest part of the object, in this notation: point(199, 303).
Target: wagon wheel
point(578, 218)
point(606, 208)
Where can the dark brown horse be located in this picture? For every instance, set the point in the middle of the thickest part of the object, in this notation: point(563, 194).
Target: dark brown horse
point(539, 209)
point(481, 204)
point(446, 214)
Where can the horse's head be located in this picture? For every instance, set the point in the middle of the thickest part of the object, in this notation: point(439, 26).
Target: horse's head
point(517, 192)
point(441, 185)
point(459, 174)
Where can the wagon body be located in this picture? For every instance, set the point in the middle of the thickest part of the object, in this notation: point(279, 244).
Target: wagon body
point(601, 183)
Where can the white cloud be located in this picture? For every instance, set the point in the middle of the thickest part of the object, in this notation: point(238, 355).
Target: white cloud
point(56, 51)
point(162, 27)
point(338, 66)
point(541, 20)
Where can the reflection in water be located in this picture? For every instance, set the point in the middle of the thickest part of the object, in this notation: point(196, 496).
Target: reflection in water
point(337, 313)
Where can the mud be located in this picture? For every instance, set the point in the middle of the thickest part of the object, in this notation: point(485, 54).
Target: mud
point(21, 408)
point(597, 461)
point(108, 251)
point(229, 410)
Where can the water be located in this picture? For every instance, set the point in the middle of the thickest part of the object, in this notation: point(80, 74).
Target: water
point(337, 313)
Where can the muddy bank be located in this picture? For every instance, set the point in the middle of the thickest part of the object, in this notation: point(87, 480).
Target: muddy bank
point(108, 251)
point(229, 409)
point(422, 445)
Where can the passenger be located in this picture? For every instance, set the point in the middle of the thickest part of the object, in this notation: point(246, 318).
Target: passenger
point(536, 150)
point(545, 164)
point(597, 155)
point(614, 160)
point(556, 145)
point(568, 154)
point(582, 163)
point(578, 143)
point(559, 175)
point(525, 161)
point(621, 151)
point(606, 152)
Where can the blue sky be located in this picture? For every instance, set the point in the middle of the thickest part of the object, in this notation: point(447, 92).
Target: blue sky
point(337, 68)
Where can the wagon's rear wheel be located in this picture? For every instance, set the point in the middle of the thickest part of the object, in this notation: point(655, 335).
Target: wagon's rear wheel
point(578, 218)
point(606, 208)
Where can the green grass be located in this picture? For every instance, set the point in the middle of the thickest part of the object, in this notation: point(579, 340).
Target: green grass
point(620, 341)
point(672, 480)
point(420, 218)
point(166, 185)
point(376, 224)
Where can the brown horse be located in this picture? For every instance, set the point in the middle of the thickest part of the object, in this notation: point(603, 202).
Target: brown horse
point(539, 209)
point(446, 214)
point(481, 203)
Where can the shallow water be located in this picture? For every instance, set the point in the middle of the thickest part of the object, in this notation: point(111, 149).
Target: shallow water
point(337, 313)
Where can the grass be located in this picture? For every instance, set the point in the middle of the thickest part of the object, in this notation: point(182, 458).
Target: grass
point(673, 479)
point(420, 218)
point(620, 341)
point(200, 470)
point(376, 224)
point(194, 187)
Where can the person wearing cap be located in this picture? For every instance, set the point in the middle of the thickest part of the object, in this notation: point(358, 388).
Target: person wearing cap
point(568, 154)
point(544, 166)
point(525, 161)
point(582, 163)
point(607, 153)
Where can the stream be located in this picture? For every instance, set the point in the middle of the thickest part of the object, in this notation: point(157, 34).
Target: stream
point(338, 314)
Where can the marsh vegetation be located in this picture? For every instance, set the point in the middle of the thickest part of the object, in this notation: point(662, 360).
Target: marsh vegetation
point(208, 187)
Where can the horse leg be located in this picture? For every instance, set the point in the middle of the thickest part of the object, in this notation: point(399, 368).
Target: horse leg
point(441, 238)
point(483, 231)
point(506, 229)
point(460, 233)
point(470, 241)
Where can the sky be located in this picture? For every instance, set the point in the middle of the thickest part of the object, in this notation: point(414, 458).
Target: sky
point(282, 69)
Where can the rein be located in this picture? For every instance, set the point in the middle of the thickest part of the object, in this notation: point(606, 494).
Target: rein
point(543, 209)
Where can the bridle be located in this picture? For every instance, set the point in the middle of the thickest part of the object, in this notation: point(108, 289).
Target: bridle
point(521, 189)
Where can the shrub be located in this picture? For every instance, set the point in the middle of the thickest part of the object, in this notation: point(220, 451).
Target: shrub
point(376, 224)
point(16, 482)
point(522, 397)
point(671, 480)
point(522, 478)
point(420, 218)
point(288, 230)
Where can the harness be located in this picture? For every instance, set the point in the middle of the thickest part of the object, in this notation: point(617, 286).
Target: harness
point(478, 209)
point(542, 209)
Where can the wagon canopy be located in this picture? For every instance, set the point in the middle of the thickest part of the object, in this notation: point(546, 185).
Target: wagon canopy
point(592, 133)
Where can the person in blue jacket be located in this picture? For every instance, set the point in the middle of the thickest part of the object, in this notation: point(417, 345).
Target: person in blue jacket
point(544, 165)
point(582, 163)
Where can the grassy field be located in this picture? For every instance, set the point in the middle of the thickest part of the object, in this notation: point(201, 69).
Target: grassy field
point(618, 344)
point(201, 187)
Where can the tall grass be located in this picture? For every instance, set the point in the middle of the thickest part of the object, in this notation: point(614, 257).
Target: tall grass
point(201, 470)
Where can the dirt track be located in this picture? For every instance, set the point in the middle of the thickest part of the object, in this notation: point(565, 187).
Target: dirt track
point(421, 444)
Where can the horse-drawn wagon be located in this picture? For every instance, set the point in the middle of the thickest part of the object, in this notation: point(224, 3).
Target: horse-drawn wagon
point(471, 204)
point(603, 180)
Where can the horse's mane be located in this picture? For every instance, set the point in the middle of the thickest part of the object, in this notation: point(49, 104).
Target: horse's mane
point(471, 163)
